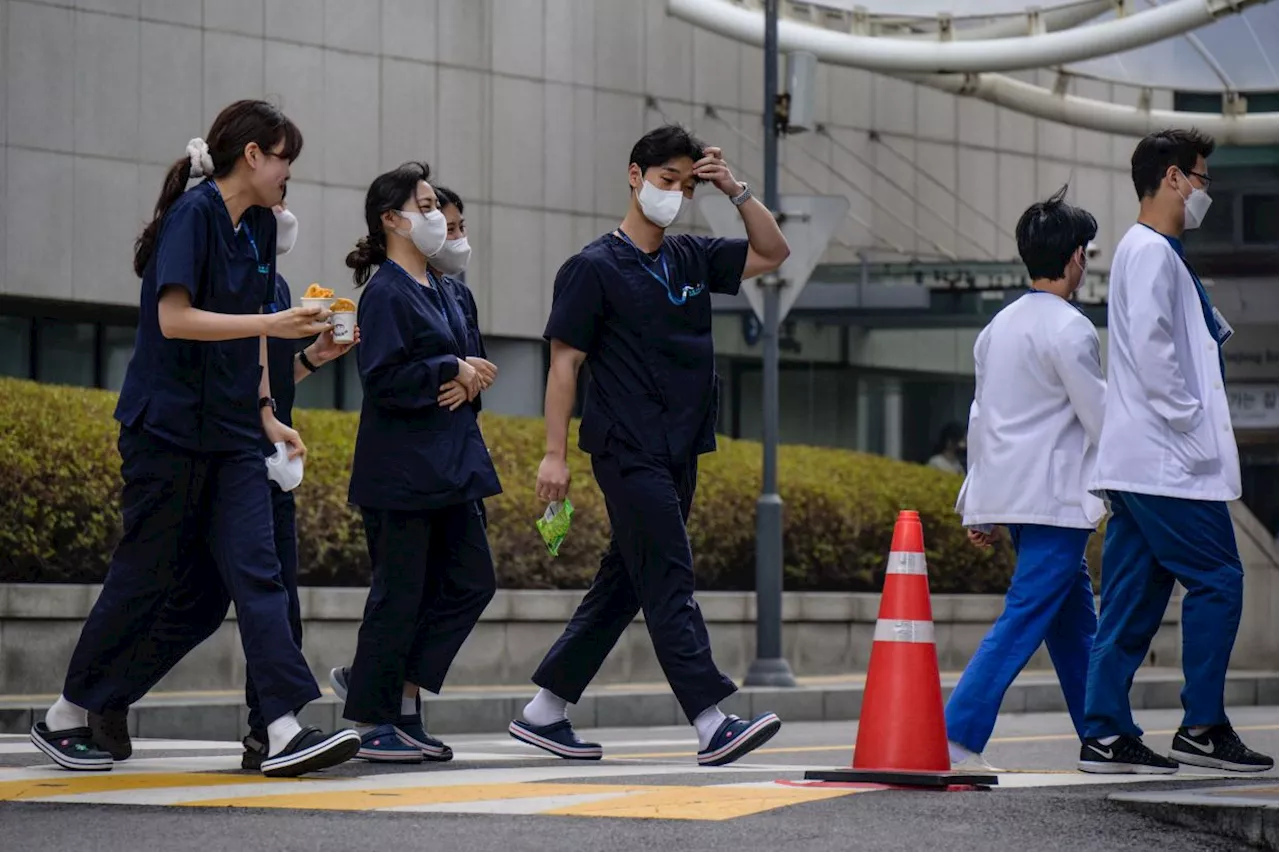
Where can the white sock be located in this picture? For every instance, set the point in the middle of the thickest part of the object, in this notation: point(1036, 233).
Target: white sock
point(64, 715)
point(958, 752)
point(281, 732)
point(408, 706)
point(1199, 730)
point(546, 708)
point(707, 723)
point(1106, 741)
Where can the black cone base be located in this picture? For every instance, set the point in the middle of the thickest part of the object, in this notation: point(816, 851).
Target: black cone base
point(903, 778)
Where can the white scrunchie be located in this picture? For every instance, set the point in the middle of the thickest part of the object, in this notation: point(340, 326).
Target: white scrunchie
point(201, 162)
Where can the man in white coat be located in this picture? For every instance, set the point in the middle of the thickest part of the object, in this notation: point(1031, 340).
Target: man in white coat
point(1168, 461)
point(1033, 433)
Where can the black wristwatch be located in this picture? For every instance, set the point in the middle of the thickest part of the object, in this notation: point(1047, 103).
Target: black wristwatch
point(306, 362)
point(267, 402)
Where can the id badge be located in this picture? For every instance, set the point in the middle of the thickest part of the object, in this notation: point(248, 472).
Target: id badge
point(1224, 328)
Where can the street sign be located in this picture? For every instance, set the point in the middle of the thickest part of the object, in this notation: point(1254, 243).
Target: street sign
point(808, 222)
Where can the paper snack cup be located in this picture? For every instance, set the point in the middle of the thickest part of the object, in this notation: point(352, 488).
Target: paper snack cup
point(344, 327)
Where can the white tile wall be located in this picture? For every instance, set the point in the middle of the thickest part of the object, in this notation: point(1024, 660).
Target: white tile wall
point(462, 33)
point(619, 43)
point(409, 29)
point(517, 272)
point(233, 69)
point(350, 124)
point(102, 250)
point(236, 16)
point(189, 12)
point(127, 8)
point(171, 70)
point(619, 123)
point(518, 42)
point(37, 232)
point(462, 121)
point(107, 68)
point(297, 20)
point(352, 26)
point(40, 77)
point(668, 54)
point(409, 129)
point(517, 146)
point(558, 161)
point(295, 81)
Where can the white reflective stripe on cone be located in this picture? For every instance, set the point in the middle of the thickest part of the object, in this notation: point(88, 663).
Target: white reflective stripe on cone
point(889, 630)
point(906, 563)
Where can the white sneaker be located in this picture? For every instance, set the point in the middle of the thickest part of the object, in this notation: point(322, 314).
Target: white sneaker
point(962, 758)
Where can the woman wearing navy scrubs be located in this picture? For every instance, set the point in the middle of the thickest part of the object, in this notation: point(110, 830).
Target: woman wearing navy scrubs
point(194, 410)
point(419, 474)
point(450, 261)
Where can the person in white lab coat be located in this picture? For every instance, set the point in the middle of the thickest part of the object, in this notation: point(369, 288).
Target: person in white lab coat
point(1168, 461)
point(1033, 431)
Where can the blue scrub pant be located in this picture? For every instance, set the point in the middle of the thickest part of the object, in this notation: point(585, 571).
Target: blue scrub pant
point(648, 567)
point(1050, 600)
point(1152, 541)
point(198, 530)
point(189, 617)
point(432, 578)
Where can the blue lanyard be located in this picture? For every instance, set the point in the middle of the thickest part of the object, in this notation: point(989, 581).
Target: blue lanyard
point(264, 268)
point(665, 278)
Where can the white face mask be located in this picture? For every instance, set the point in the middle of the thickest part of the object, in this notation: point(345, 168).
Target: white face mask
point(452, 258)
point(1083, 263)
point(1195, 206)
point(427, 230)
point(660, 206)
point(286, 232)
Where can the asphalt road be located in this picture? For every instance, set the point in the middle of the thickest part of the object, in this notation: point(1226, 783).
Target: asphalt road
point(648, 792)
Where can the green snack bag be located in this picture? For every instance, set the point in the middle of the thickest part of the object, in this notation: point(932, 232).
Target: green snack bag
point(553, 526)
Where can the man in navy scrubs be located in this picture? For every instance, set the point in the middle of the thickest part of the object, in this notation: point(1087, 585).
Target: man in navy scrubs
point(635, 305)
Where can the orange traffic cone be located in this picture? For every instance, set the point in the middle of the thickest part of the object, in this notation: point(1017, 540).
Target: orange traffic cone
point(902, 735)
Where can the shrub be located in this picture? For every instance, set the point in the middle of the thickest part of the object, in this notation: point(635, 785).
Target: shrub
point(59, 510)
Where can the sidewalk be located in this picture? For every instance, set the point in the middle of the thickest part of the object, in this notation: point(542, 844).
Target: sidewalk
point(1244, 813)
point(479, 709)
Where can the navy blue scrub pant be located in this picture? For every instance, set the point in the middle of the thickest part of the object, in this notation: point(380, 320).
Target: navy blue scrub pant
point(198, 529)
point(432, 578)
point(1050, 600)
point(648, 567)
point(1151, 542)
point(189, 616)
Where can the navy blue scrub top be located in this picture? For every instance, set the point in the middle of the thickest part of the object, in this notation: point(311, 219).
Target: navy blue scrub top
point(1206, 306)
point(280, 357)
point(411, 454)
point(202, 396)
point(645, 323)
point(466, 302)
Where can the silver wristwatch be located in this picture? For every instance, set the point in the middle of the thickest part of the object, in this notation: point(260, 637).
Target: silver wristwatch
point(742, 197)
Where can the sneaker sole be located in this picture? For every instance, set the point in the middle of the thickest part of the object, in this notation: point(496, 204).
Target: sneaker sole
point(337, 749)
point(1100, 768)
point(567, 752)
point(389, 756)
point(74, 764)
point(1207, 762)
point(752, 738)
point(435, 754)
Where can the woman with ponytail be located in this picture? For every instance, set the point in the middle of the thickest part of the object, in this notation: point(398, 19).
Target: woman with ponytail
point(419, 474)
point(194, 411)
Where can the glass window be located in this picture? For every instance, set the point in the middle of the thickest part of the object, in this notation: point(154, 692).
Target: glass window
point(1259, 223)
point(117, 349)
point(65, 353)
point(15, 347)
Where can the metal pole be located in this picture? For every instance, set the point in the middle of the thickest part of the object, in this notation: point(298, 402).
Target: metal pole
point(770, 668)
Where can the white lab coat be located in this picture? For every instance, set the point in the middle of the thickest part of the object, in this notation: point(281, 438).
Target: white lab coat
point(1035, 419)
point(1167, 429)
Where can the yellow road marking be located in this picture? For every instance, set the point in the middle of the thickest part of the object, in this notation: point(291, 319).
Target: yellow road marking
point(106, 782)
point(398, 797)
point(701, 803)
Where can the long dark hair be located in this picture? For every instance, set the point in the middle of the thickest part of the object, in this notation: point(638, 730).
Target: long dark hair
point(234, 128)
point(389, 191)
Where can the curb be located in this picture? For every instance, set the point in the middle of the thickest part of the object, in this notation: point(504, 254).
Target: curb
point(224, 718)
point(1251, 822)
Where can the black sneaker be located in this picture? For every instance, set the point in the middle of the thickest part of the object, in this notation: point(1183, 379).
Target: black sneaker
point(1125, 756)
point(1218, 748)
point(111, 733)
point(71, 749)
point(255, 750)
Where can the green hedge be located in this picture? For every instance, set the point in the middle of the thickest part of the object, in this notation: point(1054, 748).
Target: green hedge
point(59, 516)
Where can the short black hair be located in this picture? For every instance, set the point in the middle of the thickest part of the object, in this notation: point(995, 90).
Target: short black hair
point(1158, 151)
point(446, 196)
point(665, 144)
point(1050, 232)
